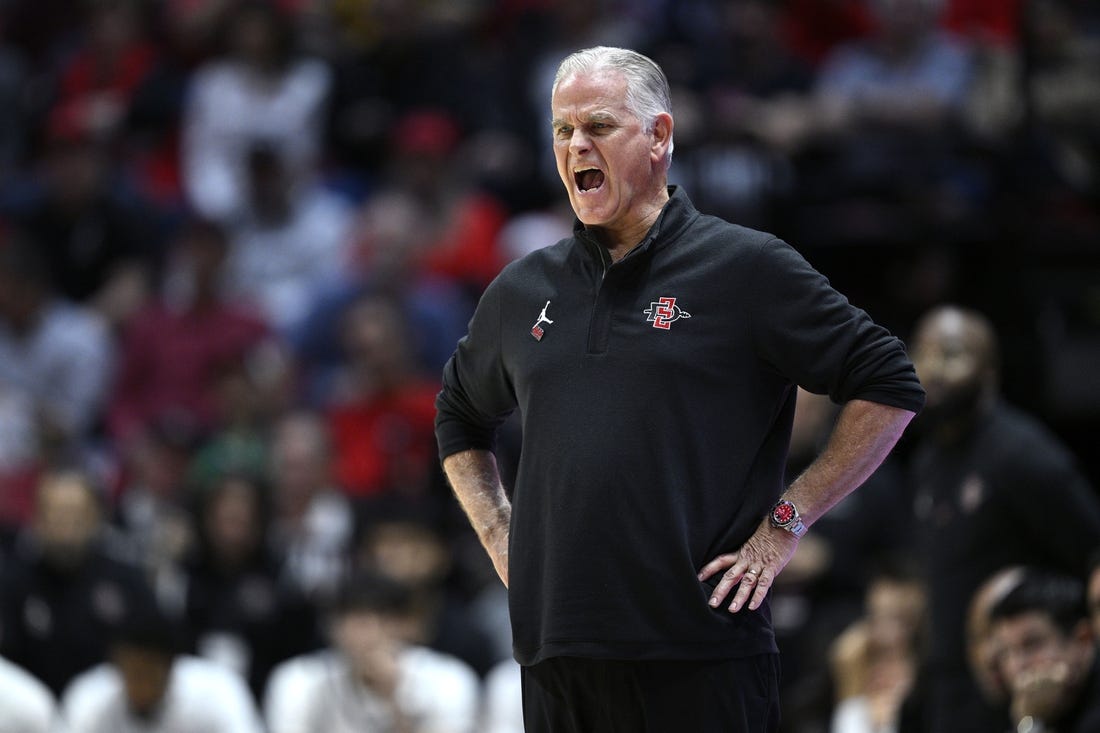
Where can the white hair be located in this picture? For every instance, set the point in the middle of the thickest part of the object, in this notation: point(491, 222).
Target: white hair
point(647, 92)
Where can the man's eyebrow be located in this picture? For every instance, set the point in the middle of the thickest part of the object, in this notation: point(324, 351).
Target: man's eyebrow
point(603, 117)
point(590, 117)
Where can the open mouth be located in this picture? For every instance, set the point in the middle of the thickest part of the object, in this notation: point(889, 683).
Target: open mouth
point(588, 179)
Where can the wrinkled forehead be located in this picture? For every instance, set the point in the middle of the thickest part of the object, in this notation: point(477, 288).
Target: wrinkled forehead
point(598, 89)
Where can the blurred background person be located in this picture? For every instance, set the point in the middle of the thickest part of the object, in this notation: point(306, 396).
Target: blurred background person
point(290, 239)
point(250, 393)
point(893, 97)
point(462, 219)
point(372, 678)
point(905, 73)
point(1058, 106)
point(258, 89)
point(313, 518)
point(55, 362)
point(1047, 654)
point(875, 661)
point(149, 506)
point(747, 98)
point(981, 652)
point(99, 245)
point(382, 410)
point(993, 488)
point(99, 77)
point(69, 588)
point(147, 684)
point(391, 234)
point(452, 612)
point(175, 347)
point(241, 608)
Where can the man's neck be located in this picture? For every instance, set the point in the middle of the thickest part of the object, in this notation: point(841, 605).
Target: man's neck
point(619, 242)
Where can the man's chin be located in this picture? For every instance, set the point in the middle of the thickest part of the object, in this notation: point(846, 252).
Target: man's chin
point(590, 218)
point(591, 211)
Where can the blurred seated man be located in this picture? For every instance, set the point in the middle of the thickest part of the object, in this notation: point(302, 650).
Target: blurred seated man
point(148, 686)
point(451, 610)
point(875, 661)
point(980, 650)
point(67, 588)
point(1047, 655)
point(28, 705)
point(372, 680)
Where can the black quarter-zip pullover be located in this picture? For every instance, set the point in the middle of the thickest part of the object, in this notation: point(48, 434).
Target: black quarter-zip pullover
point(656, 396)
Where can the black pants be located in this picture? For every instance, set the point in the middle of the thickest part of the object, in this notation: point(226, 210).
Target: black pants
point(574, 695)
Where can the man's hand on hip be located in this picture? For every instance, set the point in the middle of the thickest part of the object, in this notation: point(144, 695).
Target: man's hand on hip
point(752, 568)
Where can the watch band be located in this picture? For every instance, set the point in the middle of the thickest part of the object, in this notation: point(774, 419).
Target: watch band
point(797, 528)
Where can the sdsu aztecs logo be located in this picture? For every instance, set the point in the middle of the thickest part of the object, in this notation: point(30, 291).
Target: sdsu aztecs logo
point(663, 312)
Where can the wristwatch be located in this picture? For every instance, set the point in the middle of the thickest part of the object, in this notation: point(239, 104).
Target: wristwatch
point(785, 516)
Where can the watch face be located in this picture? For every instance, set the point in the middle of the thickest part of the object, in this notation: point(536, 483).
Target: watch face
point(783, 513)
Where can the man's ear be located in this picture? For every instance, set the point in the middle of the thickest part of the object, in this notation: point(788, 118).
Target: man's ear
point(662, 137)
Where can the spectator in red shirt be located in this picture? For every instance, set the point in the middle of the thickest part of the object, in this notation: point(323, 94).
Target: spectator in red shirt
point(175, 349)
point(463, 222)
point(101, 76)
point(382, 419)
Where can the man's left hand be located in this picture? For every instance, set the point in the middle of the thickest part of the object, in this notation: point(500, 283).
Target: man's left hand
point(753, 568)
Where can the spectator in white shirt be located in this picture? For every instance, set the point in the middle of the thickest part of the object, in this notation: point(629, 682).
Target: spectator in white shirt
point(53, 353)
point(313, 518)
point(149, 687)
point(259, 90)
point(26, 705)
point(372, 680)
point(290, 242)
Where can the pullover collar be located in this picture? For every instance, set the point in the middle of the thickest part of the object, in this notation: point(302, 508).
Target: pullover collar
point(678, 213)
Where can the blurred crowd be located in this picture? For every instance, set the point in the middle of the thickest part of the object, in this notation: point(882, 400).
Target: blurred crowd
point(240, 238)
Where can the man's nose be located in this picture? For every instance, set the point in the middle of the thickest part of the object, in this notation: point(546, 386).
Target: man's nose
point(579, 142)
